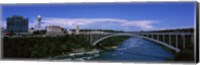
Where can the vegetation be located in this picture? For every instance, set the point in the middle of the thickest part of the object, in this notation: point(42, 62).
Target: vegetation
point(42, 47)
point(40, 32)
point(173, 30)
point(112, 41)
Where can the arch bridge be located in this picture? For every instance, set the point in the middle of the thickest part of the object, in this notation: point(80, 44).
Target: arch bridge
point(175, 40)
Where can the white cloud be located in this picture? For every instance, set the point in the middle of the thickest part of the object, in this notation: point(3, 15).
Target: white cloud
point(3, 23)
point(144, 24)
point(109, 23)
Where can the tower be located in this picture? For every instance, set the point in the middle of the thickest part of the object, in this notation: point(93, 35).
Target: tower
point(77, 29)
point(39, 18)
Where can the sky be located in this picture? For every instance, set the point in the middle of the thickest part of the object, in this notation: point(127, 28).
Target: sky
point(115, 16)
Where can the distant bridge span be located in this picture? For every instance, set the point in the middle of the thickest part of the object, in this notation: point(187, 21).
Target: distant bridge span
point(173, 42)
point(129, 34)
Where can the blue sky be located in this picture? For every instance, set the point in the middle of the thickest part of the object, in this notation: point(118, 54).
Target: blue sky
point(116, 16)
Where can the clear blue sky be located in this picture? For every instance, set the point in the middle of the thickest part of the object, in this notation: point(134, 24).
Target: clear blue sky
point(117, 16)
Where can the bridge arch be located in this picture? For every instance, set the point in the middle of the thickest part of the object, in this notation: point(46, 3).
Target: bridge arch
point(128, 34)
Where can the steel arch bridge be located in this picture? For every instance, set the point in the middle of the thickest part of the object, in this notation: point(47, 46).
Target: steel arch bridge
point(96, 38)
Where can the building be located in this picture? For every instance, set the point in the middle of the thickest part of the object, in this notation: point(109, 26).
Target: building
point(2, 30)
point(17, 24)
point(77, 30)
point(69, 31)
point(31, 30)
point(54, 30)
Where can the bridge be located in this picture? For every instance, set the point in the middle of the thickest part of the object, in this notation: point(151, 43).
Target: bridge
point(174, 40)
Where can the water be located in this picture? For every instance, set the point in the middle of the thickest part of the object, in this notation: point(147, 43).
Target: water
point(132, 49)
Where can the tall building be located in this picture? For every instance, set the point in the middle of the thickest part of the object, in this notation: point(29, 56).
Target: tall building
point(17, 24)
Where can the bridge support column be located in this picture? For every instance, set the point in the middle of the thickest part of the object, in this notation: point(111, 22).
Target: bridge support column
point(170, 40)
point(163, 37)
point(98, 36)
point(149, 35)
point(152, 36)
point(142, 34)
point(158, 37)
point(192, 39)
point(183, 41)
point(176, 41)
point(86, 36)
point(91, 39)
point(94, 37)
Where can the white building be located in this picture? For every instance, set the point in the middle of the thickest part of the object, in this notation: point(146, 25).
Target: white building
point(31, 30)
point(54, 30)
point(69, 31)
point(77, 30)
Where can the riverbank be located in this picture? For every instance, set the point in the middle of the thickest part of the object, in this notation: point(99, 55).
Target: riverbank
point(94, 51)
point(48, 47)
point(115, 42)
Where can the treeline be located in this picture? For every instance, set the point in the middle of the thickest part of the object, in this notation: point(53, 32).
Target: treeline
point(172, 30)
point(42, 47)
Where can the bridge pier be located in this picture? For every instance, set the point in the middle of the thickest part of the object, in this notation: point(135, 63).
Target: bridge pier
point(157, 36)
point(183, 36)
point(176, 41)
point(142, 34)
point(152, 36)
point(91, 39)
point(170, 41)
point(163, 38)
point(87, 36)
point(192, 39)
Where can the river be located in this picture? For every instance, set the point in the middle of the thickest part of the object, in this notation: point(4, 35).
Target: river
point(132, 49)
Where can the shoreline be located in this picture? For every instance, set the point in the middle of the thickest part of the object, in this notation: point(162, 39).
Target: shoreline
point(94, 51)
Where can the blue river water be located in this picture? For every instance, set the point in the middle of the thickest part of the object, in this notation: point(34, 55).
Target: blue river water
point(132, 49)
